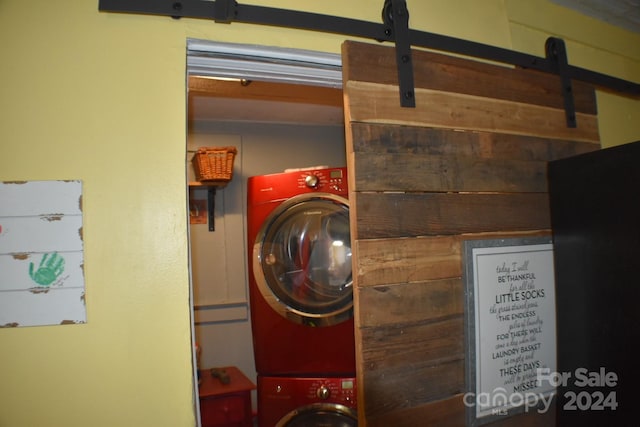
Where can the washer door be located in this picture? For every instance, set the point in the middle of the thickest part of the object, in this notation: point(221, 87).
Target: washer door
point(302, 260)
point(320, 414)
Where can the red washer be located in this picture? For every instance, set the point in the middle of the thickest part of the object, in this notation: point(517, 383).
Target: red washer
point(300, 282)
point(295, 402)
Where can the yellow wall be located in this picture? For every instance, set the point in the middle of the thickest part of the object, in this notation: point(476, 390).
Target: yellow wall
point(101, 97)
point(591, 45)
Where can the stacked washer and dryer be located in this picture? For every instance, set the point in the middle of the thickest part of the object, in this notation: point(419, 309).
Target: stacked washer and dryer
point(300, 288)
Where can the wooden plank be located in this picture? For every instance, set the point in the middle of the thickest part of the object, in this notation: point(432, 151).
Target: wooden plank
point(523, 147)
point(410, 302)
point(383, 261)
point(378, 103)
point(415, 259)
point(384, 215)
point(389, 139)
point(265, 91)
point(375, 63)
point(449, 412)
point(410, 385)
point(414, 172)
point(398, 347)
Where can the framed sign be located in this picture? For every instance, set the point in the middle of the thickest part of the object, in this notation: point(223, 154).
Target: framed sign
point(510, 327)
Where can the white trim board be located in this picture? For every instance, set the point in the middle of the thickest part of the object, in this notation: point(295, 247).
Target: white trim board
point(266, 63)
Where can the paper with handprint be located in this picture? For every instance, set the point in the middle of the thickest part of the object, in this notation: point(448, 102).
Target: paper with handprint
point(41, 253)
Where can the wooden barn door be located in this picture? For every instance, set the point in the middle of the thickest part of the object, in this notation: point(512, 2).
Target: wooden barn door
point(469, 162)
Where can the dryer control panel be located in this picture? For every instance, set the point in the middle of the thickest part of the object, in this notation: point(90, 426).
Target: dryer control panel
point(329, 180)
point(281, 186)
point(336, 390)
point(304, 391)
point(284, 398)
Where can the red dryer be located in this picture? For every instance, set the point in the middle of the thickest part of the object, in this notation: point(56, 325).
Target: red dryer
point(305, 402)
point(300, 281)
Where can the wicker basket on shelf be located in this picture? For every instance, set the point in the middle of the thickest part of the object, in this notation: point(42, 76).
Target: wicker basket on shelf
point(214, 163)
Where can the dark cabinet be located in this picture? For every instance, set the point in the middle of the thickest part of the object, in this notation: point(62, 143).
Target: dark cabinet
point(595, 217)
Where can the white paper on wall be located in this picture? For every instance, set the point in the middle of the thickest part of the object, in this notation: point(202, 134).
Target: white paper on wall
point(41, 253)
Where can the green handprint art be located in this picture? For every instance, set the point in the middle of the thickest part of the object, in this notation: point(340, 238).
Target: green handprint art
point(50, 268)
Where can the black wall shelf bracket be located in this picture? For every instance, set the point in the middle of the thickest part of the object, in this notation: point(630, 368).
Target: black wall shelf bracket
point(557, 54)
point(211, 207)
point(394, 28)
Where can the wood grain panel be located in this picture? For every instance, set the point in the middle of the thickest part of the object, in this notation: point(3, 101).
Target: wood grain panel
point(450, 413)
point(414, 172)
point(374, 63)
point(415, 259)
point(469, 162)
point(383, 215)
point(379, 103)
point(383, 261)
point(396, 348)
point(411, 302)
point(447, 412)
point(265, 91)
point(388, 139)
point(411, 385)
point(411, 363)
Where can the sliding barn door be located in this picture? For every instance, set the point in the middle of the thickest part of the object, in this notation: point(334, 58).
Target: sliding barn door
point(469, 162)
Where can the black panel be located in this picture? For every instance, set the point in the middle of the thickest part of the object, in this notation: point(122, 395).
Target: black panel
point(595, 210)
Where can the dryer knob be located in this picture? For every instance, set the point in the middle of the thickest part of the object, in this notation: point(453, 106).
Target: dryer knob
point(323, 392)
point(312, 181)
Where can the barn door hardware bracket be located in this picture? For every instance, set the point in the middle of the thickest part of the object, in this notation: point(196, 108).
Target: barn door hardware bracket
point(395, 16)
point(394, 29)
point(225, 11)
point(211, 207)
point(557, 53)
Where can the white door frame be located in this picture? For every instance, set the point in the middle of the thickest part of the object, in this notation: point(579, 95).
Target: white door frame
point(260, 63)
point(265, 63)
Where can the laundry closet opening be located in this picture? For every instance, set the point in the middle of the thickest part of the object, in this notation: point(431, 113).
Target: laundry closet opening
point(281, 109)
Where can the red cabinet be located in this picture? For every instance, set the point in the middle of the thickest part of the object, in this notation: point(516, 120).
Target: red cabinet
point(225, 405)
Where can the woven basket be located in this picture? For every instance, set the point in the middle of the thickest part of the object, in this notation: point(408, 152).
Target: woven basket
point(214, 163)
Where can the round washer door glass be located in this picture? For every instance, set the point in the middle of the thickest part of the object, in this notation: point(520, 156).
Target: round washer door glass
point(318, 414)
point(302, 260)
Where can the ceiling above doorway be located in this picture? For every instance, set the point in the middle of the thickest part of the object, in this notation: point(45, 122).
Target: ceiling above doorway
point(212, 99)
point(263, 84)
